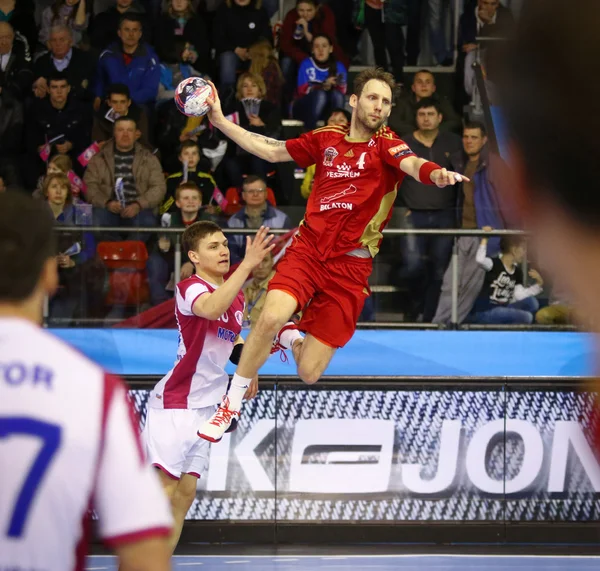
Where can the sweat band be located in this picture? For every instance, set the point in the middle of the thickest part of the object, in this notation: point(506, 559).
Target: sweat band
point(426, 170)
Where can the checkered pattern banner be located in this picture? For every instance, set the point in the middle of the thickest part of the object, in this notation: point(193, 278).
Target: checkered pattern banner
point(390, 455)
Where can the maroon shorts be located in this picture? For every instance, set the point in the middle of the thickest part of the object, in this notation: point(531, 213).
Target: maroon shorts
point(330, 293)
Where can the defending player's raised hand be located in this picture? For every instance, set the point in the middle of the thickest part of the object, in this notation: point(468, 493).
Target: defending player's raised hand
point(443, 177)
point(215, 115)
point(257, 249)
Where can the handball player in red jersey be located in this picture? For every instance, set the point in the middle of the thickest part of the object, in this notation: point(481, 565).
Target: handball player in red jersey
point(358, 171)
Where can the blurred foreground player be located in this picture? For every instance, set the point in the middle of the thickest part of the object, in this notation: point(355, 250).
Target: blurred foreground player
point(555, 157)
point(209, 313)
point(358, 170)
point(69, 439)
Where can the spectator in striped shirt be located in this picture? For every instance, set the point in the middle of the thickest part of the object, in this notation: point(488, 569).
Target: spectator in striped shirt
point(125, 182)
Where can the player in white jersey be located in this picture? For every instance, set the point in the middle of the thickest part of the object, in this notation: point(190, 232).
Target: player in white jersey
point(69, 440)
point(209, 313)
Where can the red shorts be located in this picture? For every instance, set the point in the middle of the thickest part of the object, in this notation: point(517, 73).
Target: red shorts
point(336, 289)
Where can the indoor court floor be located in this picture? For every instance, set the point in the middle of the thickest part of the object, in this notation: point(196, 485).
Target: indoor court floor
point(367, 562)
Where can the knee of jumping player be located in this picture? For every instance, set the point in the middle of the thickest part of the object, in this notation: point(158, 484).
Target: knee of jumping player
point(183, 497)
point(270, 322)
point(309, 373)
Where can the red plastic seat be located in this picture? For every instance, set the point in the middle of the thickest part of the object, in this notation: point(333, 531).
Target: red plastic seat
point(127, 278)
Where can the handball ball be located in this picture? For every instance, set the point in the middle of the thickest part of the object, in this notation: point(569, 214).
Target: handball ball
point(190, 96)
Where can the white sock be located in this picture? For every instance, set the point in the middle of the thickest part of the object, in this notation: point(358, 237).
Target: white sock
point(289, 337)
point(237, 390)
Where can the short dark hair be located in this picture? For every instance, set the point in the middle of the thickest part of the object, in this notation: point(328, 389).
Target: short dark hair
point(118, 89)
point(561, 154)
point(124, 118)
point(427, 71)
point(428, 102)
point(27, 241)
point(343, 111)
point(475, 125)
point(188, 144)
point(57, 76)
point(196, 232)
point(131, 17)
point(253, 178)
point(508, 242)
point(367, 75)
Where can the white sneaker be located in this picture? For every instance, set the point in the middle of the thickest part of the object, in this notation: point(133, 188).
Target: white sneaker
point(224, 420)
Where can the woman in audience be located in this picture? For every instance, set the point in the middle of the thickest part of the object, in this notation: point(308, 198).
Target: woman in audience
point(322, 82)
point(300, 25)
point(70, 13)
point(255, 114)
point(238, 24)
point(76, 251)
point(264, 64)
point(58, 164)
point(179, 22)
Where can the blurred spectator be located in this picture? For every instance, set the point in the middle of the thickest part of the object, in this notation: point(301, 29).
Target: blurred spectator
point(478, 206)
point(174, 69)
point(16, 76)
point(77, 65)
point(179, 22)
point(72, 263)
point(384, 21)
point(480, 18)
point(257, 115)
point(322, 83)
point(118, 104)
point(129, 62)
point(300, 25)
point(337, 117)
point(189, 157)
point(132, 170)
point(2, 184)
point(161, 263)
point(105, 25)
point(235, 201)
point(402, 117)
point(19, 14)
point(59, 120)
point(238, 24)
point(504, 299)
point(425, 257)
point(256, 291)
point(264, 64)
point(70, 13)
point(257, 212)
point(58, 164)
point(12, 135)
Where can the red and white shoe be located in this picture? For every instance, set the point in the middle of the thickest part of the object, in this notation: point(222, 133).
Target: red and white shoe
point(277, 346)
point(224, 420)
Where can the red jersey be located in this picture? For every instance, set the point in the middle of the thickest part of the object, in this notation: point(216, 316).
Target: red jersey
point(354, 188)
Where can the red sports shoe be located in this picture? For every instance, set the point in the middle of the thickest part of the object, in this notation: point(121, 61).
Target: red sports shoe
point(277, 346)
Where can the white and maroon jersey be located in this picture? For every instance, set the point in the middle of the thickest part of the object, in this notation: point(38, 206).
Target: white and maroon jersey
point(69, 443)
point(198, 378)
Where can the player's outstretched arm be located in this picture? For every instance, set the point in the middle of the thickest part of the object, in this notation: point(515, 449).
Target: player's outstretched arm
point(213, 305)
point(145, 555)
point(263, 147)
point(430, 175)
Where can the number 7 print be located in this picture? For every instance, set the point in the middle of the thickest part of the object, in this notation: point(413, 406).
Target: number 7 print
point(50, 434)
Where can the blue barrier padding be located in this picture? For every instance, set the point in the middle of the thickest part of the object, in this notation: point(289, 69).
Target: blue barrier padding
point(370, 352)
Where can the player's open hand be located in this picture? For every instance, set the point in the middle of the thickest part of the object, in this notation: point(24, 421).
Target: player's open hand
point(443, 177)
point(257, 249)
point(252, 389)
point(216, 113)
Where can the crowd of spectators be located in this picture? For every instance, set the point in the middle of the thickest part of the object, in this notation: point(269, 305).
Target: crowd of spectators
point(87, 124)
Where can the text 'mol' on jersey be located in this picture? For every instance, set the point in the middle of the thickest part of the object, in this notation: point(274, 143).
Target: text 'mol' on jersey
point(69, 443)
point(198, 378)
point(354, 188)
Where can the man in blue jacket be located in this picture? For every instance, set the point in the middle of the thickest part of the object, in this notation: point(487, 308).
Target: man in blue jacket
point(130, 62)
point(257, 212)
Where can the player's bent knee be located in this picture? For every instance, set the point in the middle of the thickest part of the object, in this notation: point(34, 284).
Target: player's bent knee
point(310, 375)
point(270, 322)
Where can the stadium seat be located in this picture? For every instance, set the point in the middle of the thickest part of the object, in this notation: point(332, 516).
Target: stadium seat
point(127, 278)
